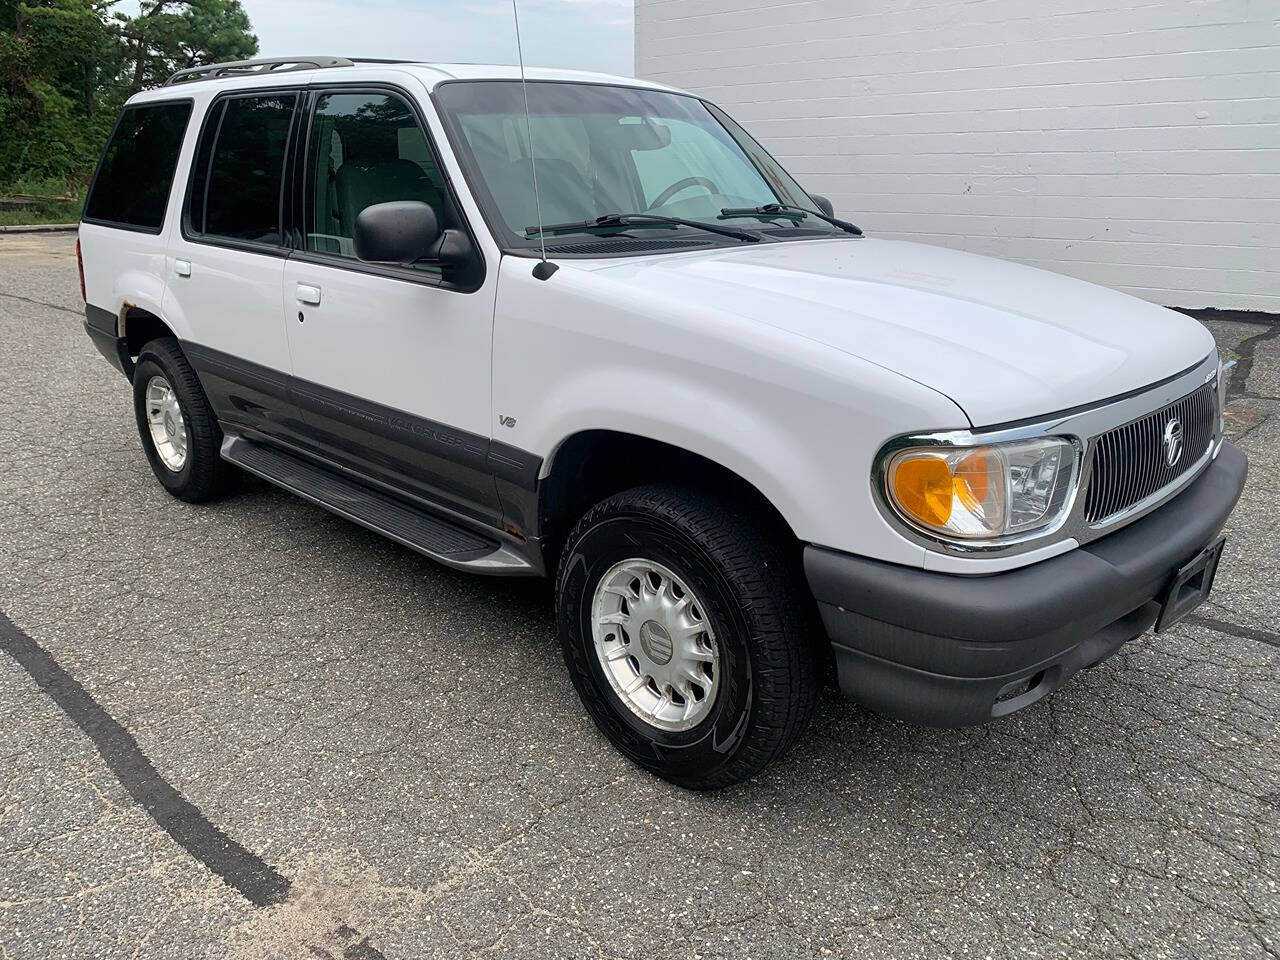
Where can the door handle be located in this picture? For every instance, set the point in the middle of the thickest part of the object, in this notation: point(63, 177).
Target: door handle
point(182, 268)
point(308, 294)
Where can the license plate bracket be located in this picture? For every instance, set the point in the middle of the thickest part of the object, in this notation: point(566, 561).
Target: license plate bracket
point(1190, 586)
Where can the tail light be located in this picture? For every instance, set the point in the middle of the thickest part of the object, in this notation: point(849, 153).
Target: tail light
point(80, 265)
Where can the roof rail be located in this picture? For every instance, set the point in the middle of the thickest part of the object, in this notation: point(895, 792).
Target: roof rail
point(242, 68)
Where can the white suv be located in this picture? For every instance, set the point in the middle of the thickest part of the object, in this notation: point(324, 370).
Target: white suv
point(612, 341)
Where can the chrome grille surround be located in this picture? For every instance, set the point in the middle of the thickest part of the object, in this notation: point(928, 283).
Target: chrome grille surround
point(1085, 427)
point(1130, 463)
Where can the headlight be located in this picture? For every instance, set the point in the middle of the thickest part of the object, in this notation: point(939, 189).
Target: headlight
point(986, 492)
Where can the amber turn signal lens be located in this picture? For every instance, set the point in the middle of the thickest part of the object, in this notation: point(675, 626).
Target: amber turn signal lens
point(923, 487)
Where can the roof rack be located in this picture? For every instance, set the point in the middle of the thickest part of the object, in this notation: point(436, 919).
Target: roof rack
point(242, 68)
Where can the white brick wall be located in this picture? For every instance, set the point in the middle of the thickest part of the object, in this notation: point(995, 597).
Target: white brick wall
point(1132, 144)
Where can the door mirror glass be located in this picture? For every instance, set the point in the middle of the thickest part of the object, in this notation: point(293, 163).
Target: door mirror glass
point(401, 232)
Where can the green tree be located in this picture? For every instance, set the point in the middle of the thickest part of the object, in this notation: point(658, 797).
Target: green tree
point(55, 56)
point(170, 35)
point(66, 66)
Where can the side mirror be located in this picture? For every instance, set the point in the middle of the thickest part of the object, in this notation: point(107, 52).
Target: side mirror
point(824, 204)
point(453, 249)
point(403, 232)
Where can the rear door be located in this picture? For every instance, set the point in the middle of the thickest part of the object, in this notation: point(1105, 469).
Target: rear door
point(226, 263)
point(391, 364)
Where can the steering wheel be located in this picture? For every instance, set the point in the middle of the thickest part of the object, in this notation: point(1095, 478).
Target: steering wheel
point(709, 185)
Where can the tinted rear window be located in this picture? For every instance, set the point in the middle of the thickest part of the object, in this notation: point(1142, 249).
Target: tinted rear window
point(239, 171)
point(131, 188)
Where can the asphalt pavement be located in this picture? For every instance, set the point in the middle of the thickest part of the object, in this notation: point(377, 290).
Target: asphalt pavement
point(251, 729)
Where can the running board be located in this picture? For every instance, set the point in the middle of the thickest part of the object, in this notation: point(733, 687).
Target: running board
point(427, 533)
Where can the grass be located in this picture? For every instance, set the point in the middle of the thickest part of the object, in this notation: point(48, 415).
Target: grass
point(55, 210)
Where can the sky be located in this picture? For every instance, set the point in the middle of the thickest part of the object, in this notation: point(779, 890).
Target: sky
point(574, 34)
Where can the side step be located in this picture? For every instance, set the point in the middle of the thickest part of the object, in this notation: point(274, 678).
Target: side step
point(427, 533)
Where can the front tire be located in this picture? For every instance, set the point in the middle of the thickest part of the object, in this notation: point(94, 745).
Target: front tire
point(180, 434)
point(688, 635)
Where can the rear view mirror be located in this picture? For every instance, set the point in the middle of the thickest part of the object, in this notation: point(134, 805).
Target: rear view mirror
point(402, 232)
point(642, 133)
point(824, 204)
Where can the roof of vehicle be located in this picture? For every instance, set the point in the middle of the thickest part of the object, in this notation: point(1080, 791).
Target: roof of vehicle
point(299, 71)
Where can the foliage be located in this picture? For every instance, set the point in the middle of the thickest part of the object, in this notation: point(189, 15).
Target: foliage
point(65, 209)
point(66, 66)
point(169, 35)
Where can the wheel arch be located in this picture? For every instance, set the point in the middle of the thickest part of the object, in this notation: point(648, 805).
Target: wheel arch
point(589, 465)
point(138, 326)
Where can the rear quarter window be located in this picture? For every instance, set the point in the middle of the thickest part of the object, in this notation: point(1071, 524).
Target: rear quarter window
point(131, 187)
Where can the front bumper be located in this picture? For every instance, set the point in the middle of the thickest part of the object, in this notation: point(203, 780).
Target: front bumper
point(949, 650)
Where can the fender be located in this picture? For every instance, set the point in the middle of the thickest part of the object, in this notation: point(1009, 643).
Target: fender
point(139, 289)
point(795, 418)
point(120, 277)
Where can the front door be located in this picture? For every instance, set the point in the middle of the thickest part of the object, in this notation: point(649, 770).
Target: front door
point(391, 364)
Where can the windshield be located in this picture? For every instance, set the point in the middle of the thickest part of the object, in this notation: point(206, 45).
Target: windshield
point(602, 150)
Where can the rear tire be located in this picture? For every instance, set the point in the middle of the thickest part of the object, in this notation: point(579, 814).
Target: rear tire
point(179, 431)
point(658, 569)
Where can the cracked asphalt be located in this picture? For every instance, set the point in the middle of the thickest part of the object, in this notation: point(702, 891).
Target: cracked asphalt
point(399, 747)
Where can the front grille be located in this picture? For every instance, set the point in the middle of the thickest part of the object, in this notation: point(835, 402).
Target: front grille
point(1130, 464)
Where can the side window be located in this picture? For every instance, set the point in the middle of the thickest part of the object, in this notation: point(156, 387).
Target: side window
point(131, 188)
point(366, 148)
point(239, 170)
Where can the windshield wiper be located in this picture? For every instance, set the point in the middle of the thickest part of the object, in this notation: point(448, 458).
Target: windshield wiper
point(791, 211)
point(639, 219)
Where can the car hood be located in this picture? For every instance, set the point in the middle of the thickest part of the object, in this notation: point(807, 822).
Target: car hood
point(1003, 341)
